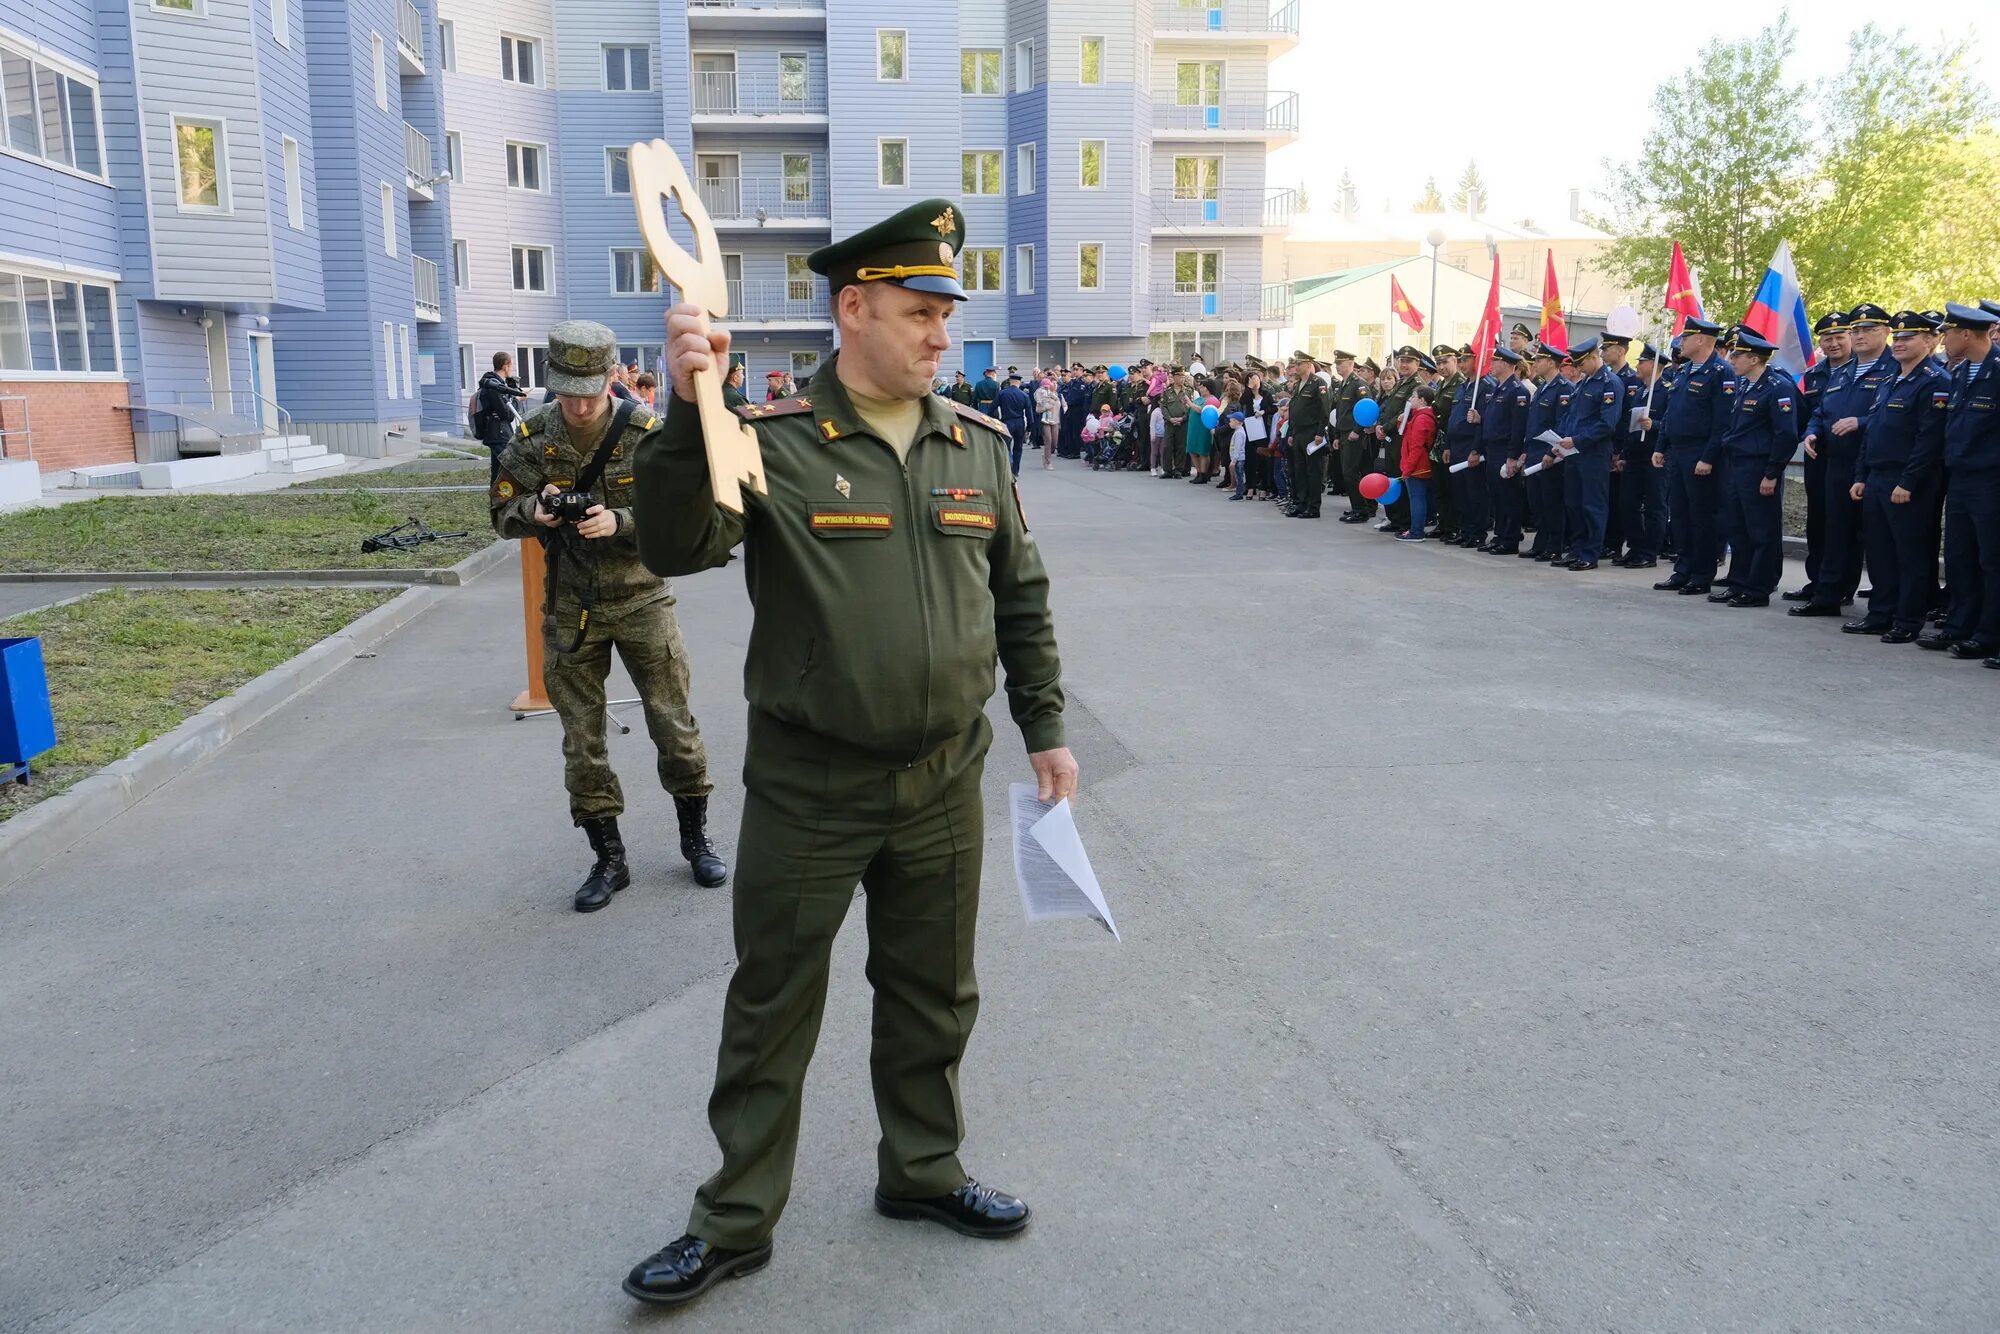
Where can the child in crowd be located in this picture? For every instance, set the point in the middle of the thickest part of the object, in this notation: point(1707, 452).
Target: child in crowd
point(1159, 438)
point(1418, 434)
point(1239, 449)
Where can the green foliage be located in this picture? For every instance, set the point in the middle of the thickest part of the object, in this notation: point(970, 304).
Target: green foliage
point(1470, 196)
point(1432, 202)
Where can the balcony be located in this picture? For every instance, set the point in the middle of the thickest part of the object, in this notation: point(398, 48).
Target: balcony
point(1222, 216)
point(772, 16)
point(418, 174)
point(425, 275)
point(794, 203)
point(796, 302)
point(747, 101)
point(409, 37)
point(1223, 303)
point(1272, 121)
point(1230, 21)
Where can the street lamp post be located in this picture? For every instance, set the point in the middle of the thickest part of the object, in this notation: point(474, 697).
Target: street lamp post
point(1436, 240)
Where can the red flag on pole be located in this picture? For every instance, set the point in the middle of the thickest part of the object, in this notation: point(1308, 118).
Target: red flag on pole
point(1683, 297)
point(1488, 338)
point(1400, 303)
point(1555, 328)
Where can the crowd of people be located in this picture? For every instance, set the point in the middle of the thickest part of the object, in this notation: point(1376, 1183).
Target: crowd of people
point(1603, 453)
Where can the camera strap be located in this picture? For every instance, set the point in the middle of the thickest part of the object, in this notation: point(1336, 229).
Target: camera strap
point(554, 543)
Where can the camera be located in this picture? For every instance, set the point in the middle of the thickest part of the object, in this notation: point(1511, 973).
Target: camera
point(568, 505)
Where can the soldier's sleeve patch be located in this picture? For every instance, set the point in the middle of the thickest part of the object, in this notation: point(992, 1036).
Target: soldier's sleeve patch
point(504, 489)
point(1784, 405)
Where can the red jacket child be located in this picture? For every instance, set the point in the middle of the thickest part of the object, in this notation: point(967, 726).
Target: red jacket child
point(1418, 435)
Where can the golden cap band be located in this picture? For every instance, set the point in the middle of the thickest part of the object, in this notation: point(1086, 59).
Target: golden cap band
point(902, 271)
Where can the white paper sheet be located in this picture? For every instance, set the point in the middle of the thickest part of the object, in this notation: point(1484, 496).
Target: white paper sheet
point(1050, 864)
point(1253, 428)
point(1316, 446)
point(1531, 470)
point(1632, 423)
point(1460, 467)
point(1549, 438)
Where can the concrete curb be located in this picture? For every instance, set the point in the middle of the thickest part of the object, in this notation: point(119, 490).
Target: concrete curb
point(44, 831)
point(477, 563)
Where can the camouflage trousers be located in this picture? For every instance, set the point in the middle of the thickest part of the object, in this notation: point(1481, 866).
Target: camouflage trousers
point(648, 640)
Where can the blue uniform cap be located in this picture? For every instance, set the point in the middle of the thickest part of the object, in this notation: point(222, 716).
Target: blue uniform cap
point(1865, 314)
point(1990, 307)
point(1647, 352)
point(1695, 326)
point(1578, 351)
point(1966, 317)
point(1745, 340)
point(1906, 323)
point(1508, 355)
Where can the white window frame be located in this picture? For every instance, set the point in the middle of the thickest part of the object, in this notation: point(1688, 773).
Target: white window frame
point(641, 258)
point(516, 166)
point(880, 182)
point(524, 364)
point(971, 273)
point(194, 10)
point(609, 150)
point(798, 272)
point(447, 35)
point(281, 23)
point(409, 361)
point(534, 47)
point(295, 194)
point(388, 220)
point(903, 33)
point(548, 265)
point(225, 203)
point(381, 70)
point(1103, 163)
point(999, 172)
point(1024, 65)
point(999, 71)
point(1082, 246)
point(20, 272)
point(40, 63)
point(389, 355)
point(461, 264)
point(1102, 46)
point(1174, 267)
point(1026, 160)
point(792, 363)
point(1173, 175)
point(624, 49)
point(466, 378)
point(1024, 270)
point(454, 155)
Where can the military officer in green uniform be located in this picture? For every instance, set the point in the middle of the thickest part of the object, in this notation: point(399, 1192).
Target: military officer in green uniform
point(1356, 445)
point(1389, 427)
point(599, 596)
point(889, 566)
point(961, 389)
point(1310, 421)
point(1446, 507)
point(1175, 404)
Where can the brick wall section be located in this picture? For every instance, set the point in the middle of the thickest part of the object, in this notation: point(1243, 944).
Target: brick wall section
point(75, 422)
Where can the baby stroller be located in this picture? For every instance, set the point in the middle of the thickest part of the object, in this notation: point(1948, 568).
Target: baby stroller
point(1114, 450)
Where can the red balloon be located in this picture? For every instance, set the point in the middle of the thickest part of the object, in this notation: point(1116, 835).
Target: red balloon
point(1211, 402)
point(1374, 485)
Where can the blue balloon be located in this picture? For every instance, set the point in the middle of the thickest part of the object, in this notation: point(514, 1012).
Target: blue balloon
point(1210, 416)
point(1395, 491)
point(1117, 373)
point(1367, 412)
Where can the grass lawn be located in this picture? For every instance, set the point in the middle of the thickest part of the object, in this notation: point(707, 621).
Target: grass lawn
point(480, 476)
point(125, 667)
point(279, 530)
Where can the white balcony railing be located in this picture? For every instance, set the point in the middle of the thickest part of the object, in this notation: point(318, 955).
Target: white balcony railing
point(410, 36)
point(425, 274)
point(754, 5)
point(737, 199)
point(1277, 116)
point(1225, 214)
point(1227, 16)
point(777, 300)
point(418, 173)
point(1223, 303)
point(740, 93)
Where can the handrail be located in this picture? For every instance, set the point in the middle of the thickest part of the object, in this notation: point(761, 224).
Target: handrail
point(25, 429)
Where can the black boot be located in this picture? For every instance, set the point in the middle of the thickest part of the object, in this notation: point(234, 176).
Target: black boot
point(610, 874)
point(709, 869)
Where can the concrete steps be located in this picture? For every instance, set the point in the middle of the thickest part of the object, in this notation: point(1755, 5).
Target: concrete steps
point(300, 463)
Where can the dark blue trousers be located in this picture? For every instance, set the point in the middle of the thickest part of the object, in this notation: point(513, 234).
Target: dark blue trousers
point(1817, 500)
point(1504, 501)
point(1693, 500)
point(1896, 536)
point(1756, 522)
point(1475, 518)
point(1972, 554)
point(1644, 498)
point(1841, 544)
point(1587, 496)
point(1551, 517)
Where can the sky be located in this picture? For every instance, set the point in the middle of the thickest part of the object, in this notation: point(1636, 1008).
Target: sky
point(1350, 86)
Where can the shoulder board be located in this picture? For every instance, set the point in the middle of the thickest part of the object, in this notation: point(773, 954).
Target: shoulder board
point(522, 429)
point(777, 407)
point(974, 414)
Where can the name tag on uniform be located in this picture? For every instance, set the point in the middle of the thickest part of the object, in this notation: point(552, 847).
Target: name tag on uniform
point(851, 520)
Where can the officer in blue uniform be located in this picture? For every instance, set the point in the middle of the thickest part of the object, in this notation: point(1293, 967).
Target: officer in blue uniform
point(1638, 526)
point(1502, 421)
point(1835, 349)
point(1462, 444)
point(1594, 427)
point(1835, 431)
point(1546, 412)
point(1759, 439)
point(1897, 472)
point(1646, 529)
point(1698, 403)
point(1972, 500)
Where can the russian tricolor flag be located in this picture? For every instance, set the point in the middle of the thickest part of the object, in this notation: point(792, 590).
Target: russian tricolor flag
point(1778, 313)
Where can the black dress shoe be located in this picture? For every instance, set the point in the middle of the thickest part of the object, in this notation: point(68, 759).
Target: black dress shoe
point(973, 1209)
point(1639, 562)
point(1814, 609)
point(1722, 595)
point(1529, 554)
point(1993, 662)
point(1800, 594)
point(1900, 637)
point(1974, 648)
point(1865, 593)
point(1865, 628)
point(1503, 551)
point(1692, 590)
point(1579, 566)
point(1936, 643)
point(684, 1268)
point(1673, 585)
point(1749, 600)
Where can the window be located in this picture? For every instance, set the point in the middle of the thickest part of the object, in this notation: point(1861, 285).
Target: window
point(520, 59)
point(454, 156)
point(646, 356)
point(891, 45)
point(805, 365)
point(633, 273)
point(628, 69)
point(409, 362)
point(1090, 166)
point(524, 166)
point(1375, 341)
point(461, 265)
point(793, 80)
point(1517, 268)
point(1090, 62)
point(295, 198)
point(1024, 66)
point(1197, 177)
point(1196, 272)
point(1024, 269)
point(618, 171)
point(1198, 83)
point(389, 356)
point(531, 268)
point(466, 379)
point(531, 364)
point(49, 115)
point(178, 6)
point(891, 162)
point(1090, 267)
point(798, 279)
point(388, 220)
point(979, 73)
point(979, 270)
point(798, 178)
point(381, 71)
point(448, 46)
point(1322, 340)
point(1024, 169)
point(50, 325)
point(281, 22)
point(979, 171)
point(200, 165)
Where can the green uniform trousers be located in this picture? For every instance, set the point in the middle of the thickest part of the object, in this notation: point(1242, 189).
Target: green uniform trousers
point(1357, 460)
point(1312, 487)
point(648, 640)
point(815, 823)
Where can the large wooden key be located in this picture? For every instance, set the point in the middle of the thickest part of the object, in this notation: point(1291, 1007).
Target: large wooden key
point(659, 178)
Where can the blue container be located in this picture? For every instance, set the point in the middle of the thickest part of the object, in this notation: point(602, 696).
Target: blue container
point(27, 726)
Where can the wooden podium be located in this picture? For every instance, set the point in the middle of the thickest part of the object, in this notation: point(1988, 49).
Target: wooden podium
point(535, 698)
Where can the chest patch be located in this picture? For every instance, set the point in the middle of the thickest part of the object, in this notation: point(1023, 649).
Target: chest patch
point(852, 521)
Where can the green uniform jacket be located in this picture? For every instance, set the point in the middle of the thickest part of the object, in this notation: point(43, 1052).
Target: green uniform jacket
point(1102, 396)
point(734, 397)
point(959, 393)
point(1447, 395)
point(883, 591)
point(542, 452)
point(1392, 407)
point(1347, 395)
point(1310, 415)
point(1174, 403)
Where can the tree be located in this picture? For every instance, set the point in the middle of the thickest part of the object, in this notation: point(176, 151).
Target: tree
point(1432, 202)
point(1719, 172)
point(1299, 197)
point(1470, 197)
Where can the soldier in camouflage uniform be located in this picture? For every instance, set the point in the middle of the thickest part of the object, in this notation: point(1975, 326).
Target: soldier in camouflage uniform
point(600, 596)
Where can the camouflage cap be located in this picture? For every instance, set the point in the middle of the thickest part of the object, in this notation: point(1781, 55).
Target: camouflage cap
point(580, 357)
